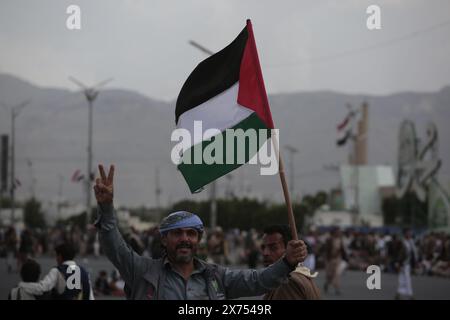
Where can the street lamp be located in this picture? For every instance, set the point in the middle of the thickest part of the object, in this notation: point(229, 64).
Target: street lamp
point(212, 195)
point(91, 94)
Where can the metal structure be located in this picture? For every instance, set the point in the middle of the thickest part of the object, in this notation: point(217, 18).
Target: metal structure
point(15, 111)
point(212, 194)
point(91, 94)
point(418, 166)
point(407, 161)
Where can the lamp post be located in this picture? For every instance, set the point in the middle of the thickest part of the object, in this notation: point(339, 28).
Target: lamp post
point(15, 111)
point(91, 94)
point(213, 190)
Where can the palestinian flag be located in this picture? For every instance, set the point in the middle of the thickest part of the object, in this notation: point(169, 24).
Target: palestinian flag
point(225, 91)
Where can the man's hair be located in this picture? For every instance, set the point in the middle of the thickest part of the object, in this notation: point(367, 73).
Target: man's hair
point(30, 271)
point(282, 229)
point(66, 251)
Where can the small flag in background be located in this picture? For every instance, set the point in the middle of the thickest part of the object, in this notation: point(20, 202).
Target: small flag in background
point(77, 176)
point(346, 124)
point(16, 183)
point(225, 91)
point(342, 141)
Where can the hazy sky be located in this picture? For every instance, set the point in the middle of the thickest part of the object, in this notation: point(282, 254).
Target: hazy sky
point(303, 45)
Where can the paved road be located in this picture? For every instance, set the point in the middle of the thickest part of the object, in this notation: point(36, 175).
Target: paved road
point(353, 282)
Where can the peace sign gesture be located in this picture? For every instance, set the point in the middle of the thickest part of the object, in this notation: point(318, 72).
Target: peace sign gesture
point(104, 192)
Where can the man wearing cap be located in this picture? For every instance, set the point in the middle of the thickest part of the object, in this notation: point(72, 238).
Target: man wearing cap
point(179, 275)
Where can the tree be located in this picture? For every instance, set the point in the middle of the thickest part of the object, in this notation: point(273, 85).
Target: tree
point(6, 203)
point(33, 216)
point(406, 211)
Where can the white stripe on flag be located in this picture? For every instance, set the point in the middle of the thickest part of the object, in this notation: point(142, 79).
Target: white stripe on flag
point(221, 112)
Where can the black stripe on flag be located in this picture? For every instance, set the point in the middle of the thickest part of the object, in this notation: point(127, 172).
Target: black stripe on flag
point(212, 76)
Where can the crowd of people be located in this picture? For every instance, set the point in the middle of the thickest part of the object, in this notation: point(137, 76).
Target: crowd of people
point(16, 246)
point(332, 250)
point(239, 247)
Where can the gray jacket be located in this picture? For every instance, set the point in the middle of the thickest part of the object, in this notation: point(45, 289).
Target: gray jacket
point(146, 277)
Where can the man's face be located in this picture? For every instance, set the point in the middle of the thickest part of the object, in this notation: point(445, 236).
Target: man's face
point(272, 248)
point(181, 244)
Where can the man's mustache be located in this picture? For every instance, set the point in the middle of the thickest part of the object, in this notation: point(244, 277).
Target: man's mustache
point(184, 245)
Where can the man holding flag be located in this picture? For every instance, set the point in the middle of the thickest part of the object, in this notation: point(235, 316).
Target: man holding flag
point(225, 91)
point(179, 275)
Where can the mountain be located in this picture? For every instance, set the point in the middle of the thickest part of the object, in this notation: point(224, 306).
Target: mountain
point(133, 132)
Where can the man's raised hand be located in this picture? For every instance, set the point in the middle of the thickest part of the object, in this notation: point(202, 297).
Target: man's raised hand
point(104, 191)
point(296, 252)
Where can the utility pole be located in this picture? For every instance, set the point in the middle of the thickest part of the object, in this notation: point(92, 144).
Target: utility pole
point(4, 145)
point(212, 194)
point(32, 179)
point(91, 94)
point(15, 111)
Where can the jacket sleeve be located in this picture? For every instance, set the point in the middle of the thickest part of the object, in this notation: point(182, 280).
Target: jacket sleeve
point(248, 283)
point(128, 262)
point(50, 281)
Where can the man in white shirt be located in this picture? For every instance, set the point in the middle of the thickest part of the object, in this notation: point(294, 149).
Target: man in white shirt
point(29, 272)
point(66, 281)
point(405, 289)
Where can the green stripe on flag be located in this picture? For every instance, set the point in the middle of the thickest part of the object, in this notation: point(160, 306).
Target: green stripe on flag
point(199, 175)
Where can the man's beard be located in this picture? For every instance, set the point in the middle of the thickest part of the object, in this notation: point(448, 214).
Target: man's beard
point(185, 258)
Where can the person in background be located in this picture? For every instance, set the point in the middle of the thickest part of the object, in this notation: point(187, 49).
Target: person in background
point(102, 286)
point(334, 254)
point(404, 265)
point(58, 276)
point(299, 286)
point(29, 272)
point(11, 248)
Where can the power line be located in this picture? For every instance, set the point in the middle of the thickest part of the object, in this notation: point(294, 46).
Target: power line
point(354, 51)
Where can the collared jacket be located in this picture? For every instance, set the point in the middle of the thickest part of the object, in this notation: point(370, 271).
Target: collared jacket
point(146, 278)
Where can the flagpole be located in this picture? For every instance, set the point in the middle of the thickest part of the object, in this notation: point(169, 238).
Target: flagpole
point(284, 184)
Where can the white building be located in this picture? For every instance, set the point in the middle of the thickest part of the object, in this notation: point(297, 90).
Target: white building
point(366, 184)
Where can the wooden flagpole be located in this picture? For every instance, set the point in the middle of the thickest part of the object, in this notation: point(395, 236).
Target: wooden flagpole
point(287, 197)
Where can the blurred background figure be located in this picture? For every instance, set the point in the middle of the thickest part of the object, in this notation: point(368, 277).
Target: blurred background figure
point(217, 246)
point(406, 262)
point(334, 255)
point(252, 249)
point(10, 248)
point(311, 243)
point(102, 284)
point(25, 247)
point(29, 272)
